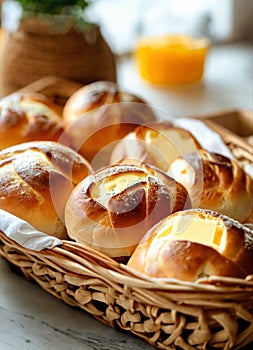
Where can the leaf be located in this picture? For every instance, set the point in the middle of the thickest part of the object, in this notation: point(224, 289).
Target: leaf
point(52, 6)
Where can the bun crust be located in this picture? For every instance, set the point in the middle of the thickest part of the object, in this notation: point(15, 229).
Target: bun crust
point(100, 113)
point(36, 179)
point(30, 117)
point(113, 208)
point(157, 143)
point(163, 253)
point(217, 183)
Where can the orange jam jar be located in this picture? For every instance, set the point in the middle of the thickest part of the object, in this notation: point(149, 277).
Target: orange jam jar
point(171, 59)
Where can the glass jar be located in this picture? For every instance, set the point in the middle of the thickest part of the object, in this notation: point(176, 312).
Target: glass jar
point(172, 59)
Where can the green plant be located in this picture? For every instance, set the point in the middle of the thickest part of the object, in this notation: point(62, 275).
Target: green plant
point(53, 6)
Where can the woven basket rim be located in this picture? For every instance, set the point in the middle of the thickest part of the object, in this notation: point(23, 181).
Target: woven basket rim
point(117, 272)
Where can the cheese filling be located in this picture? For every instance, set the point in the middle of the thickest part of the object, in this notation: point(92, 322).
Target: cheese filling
point(160, 145)
point(170, 145)
point(113, 185)
point(203, 231)
point(182, 172)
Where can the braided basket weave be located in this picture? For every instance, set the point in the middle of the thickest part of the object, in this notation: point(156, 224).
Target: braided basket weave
point(212, 313)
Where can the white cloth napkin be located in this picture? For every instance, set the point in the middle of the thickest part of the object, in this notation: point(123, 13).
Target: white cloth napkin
point(207, 138)
point(24, 234)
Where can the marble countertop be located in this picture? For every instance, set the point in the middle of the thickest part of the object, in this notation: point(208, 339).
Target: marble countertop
point(30, 318)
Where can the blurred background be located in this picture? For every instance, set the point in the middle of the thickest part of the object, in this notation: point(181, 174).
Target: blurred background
point(123, 21)
point(227, 80)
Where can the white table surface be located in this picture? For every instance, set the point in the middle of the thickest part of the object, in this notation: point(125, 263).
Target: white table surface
point(227, 84)
point(31, 319)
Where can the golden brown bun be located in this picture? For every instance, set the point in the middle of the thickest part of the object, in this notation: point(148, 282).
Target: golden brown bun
point(113, 208)
point(28, 117)
point(217, 183)
point(100, 113)
point(164, 253)
point(157, 143)
point(36, 179)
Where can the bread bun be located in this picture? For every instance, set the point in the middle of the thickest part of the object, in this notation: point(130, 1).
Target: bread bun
point(157, 143)
point(36, 179)
point(29, 117)
point(195, 243)
point(112, 209)
point(216, 183)
point(100, 113)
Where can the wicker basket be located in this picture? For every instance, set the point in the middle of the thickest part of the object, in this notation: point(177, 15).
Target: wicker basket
point(34, 50)
point(168, 314)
